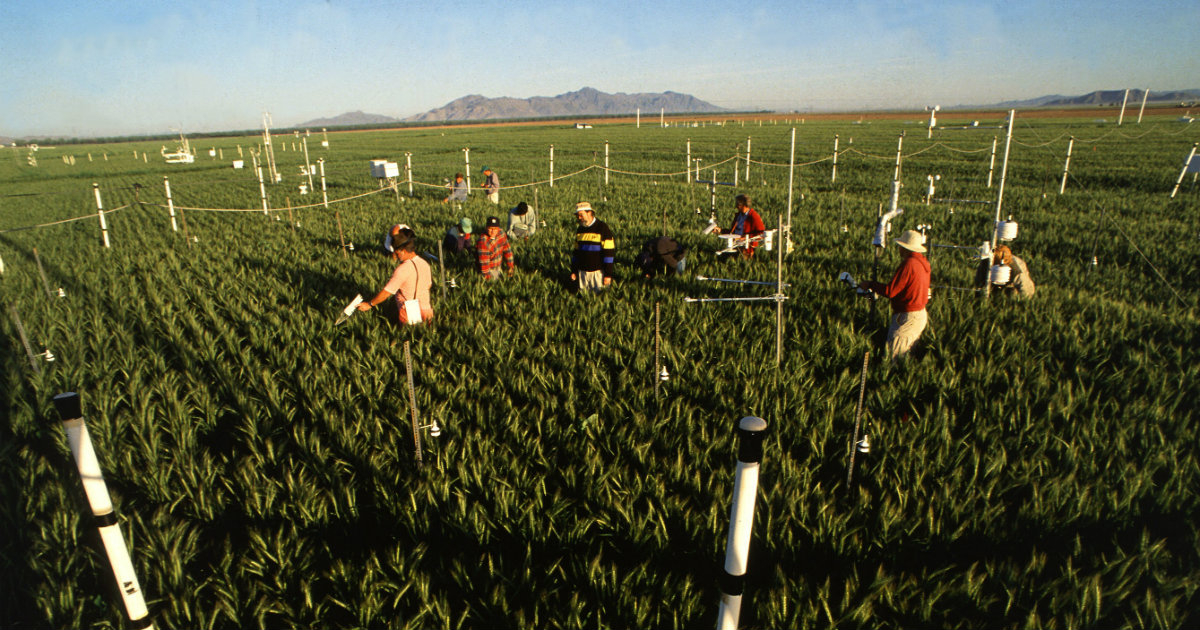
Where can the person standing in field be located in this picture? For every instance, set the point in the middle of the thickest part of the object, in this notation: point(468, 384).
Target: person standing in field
point(1019, 283)
point(522, 221)
point(746, 222)
point(494, 251)
point(458, 191)
point(592, 262)
point(491, 185)
point(909, 293)
point(410, 281)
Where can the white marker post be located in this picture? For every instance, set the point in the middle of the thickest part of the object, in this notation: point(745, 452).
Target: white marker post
point(170, 204)
point(70, 411)
point(262, 188)
point(688, 164)
point(1066, 166)
point(833, 177)
point(606, 162)
point(1124, 100)
point(324, 193)
point(100, 213)
point(1012, 117)
point(748, 158)
point(308, 169)
point(639, 118)
point(1145, 95)
point(408, 172)
point(662, 117)
point(1186, 164)
point(751, 431)
point(552, 166)
point(992, 163)
point(467, 157)
point(785, 247)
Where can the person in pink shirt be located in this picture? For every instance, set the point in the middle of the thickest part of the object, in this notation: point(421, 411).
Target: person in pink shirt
point(909, 293)
point(410, 282)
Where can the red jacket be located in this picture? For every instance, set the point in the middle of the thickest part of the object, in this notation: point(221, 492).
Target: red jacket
point(909, 287)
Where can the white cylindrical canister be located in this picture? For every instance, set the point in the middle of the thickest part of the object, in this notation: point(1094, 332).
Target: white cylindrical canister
point(1001, 274)
point(1008, 230)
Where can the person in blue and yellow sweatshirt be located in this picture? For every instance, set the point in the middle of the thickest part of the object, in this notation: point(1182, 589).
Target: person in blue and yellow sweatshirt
point(592, 261)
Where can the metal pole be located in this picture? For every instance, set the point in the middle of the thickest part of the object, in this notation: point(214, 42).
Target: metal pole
point(1124, 100)
point(1182, 173)
point(70, 411)
point(100, 213)
point(552, 166)
point(412, 402)
point(1012, 117)
point(751, 431)
point(779, 302)
point(170, 203)
point(992, 164)
point(862, 390)
point(1145, 95)
point(657, 362)
point(833, 177)
point(12, 311)
point(1066, 165)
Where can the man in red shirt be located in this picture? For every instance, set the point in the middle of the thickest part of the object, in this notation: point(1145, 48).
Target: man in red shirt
point(908, 292)
point(746, 222)
point(494, 251)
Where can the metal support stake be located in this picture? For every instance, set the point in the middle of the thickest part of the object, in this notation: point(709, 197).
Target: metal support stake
point(12, 311)
point(657, 362)
point(42, 273)
point(412, 402)
point(862, 390)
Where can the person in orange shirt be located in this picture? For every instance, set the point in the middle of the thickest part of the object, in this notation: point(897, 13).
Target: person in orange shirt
point(908, 292)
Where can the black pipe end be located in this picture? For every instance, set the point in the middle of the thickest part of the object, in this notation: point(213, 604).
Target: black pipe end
point(68, 405)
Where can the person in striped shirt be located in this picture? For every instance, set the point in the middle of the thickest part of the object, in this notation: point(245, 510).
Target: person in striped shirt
point(592, 262)
point(493, 251)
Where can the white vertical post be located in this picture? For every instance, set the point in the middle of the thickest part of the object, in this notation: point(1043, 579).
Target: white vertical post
point(1066, 166)
point(170, 203)
point(408, 172)
point(307, 164)
point(751, 431)
point(100, 213)
point(1124, 100)
point(71, 413)
point(606, 162)
point(787, 229)
point(748, 157)
point(833, 177)
point(1012, 117)
point(467, 157)
point(899, 146)
point(1145, 95)
point(324, 194)
point(992, 164)
point(737, 164)
point(552, 166)
point(662, 117)
point(1186, 164)
point(689, 161)
point(262, 189)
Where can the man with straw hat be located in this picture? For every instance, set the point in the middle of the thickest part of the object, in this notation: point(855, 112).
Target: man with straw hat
point(592, 262)
point(1019, 281)
point(908, 291)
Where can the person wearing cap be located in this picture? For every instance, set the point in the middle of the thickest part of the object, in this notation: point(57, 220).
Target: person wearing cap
point(410, 281)
point(746, 222)
point(522, 221)
point(458, 191)
point(592, 262)
point(1019, 283)
point(908, 291)
point(491, 184)
point(494, 251)
point(662, 254)
point(458, 237)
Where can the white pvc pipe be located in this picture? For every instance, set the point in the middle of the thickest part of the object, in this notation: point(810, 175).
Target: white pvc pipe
point(662, 117)
point(751, 431)
point(1012, 118)
point(899, 146)
point(639, 118)
point(1186, 164)
point(407, 172)
point(170, 204)
point(552, 166)
point(787, 229)
point(689, 161)
point(833, 177)
point(992, 164)
point(1066, 166)
point(1124, 100)
point(307, 164)
point(1145, 94)
point(324, 194)
point(70, 411)
point(100, 213)
point(748, 158)
point(606, 162)
point(467, 157)
point(262, 189)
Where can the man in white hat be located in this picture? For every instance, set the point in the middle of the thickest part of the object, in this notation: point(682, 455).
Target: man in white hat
point(909, 293)
point(592, 262)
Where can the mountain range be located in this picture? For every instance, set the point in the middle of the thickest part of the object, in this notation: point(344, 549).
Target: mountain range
point(1103, 98)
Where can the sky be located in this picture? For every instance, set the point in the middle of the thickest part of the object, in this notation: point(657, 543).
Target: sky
point(108, 67)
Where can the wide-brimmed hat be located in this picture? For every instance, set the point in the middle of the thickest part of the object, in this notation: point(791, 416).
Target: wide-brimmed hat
point(583, 206)
point(912, 241)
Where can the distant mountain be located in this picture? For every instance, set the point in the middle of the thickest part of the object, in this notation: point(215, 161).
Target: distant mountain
point(587, 101)
point(1104, 98)
point(5, 141)
point(349, 119)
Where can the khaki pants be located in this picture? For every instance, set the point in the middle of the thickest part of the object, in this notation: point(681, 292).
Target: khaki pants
point(906, 328)
point(494, 197)
point(590, 280)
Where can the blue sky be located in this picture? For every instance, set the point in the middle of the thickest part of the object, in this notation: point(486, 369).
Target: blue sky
point(107, 68)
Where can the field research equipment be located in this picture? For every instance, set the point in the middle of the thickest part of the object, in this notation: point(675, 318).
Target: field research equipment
point(350, 309)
